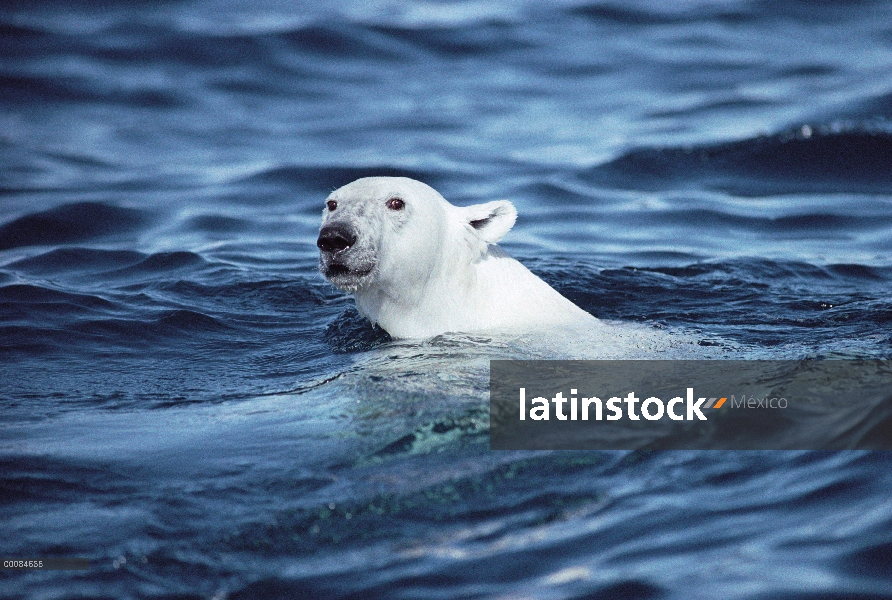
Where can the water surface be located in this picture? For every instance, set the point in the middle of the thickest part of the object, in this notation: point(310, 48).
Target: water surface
point(190, 406)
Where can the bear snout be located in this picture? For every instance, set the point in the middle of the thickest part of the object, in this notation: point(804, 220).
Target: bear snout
point(335, 237)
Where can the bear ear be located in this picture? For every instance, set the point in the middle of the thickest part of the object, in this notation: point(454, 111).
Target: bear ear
point(492, 220)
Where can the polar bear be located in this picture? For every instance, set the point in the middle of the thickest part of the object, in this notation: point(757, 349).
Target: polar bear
point(419, 266)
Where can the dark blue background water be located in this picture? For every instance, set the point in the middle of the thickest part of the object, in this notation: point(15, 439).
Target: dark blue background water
point(189, 405)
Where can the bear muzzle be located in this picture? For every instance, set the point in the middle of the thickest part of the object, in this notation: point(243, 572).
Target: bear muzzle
point(335, 237)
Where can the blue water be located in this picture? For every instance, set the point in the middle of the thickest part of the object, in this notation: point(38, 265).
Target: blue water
point(189, 405)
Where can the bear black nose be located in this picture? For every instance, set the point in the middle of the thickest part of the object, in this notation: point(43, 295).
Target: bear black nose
point(335, 237)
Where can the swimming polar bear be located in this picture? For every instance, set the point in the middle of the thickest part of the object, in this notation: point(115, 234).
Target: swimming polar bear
point(419, 266)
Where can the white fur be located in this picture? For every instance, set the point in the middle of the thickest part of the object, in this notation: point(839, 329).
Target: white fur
point(425, 270)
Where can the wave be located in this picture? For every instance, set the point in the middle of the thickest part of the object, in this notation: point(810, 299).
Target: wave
point(351, 332)
point(156, 299)
point(70, 223)
point(760, 11)
point(723, 296)
point(162, 262)
point(67, 260)
point(792, 162)
point(34, 298)
point(489, 38)
point(179, 330)
point(58, 480)
point(876, 108)
point(25, 89)
point(211, 223)
point(324, 179)
point(337, 40)
point(624, 15)
point(706, 219)
point(78, 265)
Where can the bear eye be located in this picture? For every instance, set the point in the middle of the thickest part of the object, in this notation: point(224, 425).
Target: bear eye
point(395, 204)
point(331, 204)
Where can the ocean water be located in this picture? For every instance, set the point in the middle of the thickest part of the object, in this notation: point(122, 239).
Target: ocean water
point(188, 404)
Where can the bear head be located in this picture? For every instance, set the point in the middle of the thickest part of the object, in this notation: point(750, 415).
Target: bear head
point(394, 235)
